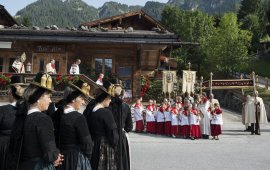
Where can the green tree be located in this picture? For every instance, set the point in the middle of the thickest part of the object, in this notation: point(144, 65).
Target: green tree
point(252, 17)
point(191, 26)
point(26, 21)
point(227, 49)
point(249, 7)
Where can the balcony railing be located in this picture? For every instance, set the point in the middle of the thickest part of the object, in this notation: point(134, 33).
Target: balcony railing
point(58, 88)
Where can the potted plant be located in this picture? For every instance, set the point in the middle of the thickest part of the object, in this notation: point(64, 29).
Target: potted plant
point(4, 81)
point(63, 80)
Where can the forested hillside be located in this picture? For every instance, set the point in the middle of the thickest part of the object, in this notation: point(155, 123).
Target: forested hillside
point(74, 12)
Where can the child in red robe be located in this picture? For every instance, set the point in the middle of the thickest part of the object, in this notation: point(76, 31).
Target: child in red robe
point(138, 115)
point(216, 122)
point(174, 121)
point(161, 119)
point(184, 122)
point(195, 131)
point(150, 118)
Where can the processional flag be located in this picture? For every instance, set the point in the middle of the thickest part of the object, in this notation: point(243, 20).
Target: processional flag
point(168, 79)
point(189, 79)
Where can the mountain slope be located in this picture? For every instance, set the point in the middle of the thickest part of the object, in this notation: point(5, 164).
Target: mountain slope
point(74, 12)
point(67, 13)
point(208, 6)
point(154, 9)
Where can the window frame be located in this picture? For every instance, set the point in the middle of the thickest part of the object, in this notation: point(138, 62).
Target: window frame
point(103, 63)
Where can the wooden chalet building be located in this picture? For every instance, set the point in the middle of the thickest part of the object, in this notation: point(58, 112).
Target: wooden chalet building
point(127, 45)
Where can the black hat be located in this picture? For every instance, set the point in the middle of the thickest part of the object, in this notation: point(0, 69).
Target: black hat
point(18, 85)
point(108, 87)
point(17, 80)
point(43, 80)
point(96, 89)
point(82, 86)
point(116, 82)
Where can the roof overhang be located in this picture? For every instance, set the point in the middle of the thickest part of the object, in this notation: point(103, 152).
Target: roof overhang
point(67, 36)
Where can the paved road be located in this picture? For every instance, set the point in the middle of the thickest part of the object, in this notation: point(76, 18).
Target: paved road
point(236, 149)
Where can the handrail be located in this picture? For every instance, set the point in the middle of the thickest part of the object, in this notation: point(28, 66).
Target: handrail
point(32, 75)
point(83, 76)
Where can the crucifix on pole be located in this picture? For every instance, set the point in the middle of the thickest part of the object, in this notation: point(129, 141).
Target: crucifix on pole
point(210, 83)
point(189, 64)
point(201, 82)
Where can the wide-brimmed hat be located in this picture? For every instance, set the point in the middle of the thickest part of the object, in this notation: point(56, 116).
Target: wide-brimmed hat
point(116, 82)
point(82, 86)
point(107, 87)
point(17, 80)
point(110, 87)
point(43, 80)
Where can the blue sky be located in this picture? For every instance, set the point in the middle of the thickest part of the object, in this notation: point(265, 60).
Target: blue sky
point(12, 6)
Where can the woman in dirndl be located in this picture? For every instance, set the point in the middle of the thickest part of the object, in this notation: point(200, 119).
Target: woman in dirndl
point(73, 137)
point(32, 142)
point(103, 130)
point(8, 114)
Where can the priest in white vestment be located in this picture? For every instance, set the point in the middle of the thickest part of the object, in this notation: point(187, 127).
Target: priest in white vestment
point(203, 108)
point(250, 113)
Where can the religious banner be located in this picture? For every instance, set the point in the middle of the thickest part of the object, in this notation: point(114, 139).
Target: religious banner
point(168, 80)
point(189, 79)
point(228, 84)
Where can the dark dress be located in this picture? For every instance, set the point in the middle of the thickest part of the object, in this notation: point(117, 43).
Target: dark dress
point(127, 126)
point(7, 118)
point(38, 148)
point(75, 142)
point(104, 133)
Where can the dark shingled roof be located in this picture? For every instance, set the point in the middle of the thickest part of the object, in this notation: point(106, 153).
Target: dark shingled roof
point(111, 36)
point(5, 18)
point(139, 13)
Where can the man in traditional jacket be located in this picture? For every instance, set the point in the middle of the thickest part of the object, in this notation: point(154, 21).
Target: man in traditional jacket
point(255, 113)
point(50, 67)
point(18, 65)
point(99, 80)
point(75, 69)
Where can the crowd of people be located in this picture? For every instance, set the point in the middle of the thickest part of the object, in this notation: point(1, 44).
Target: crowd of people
point(187, 117)
point(36, 133)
